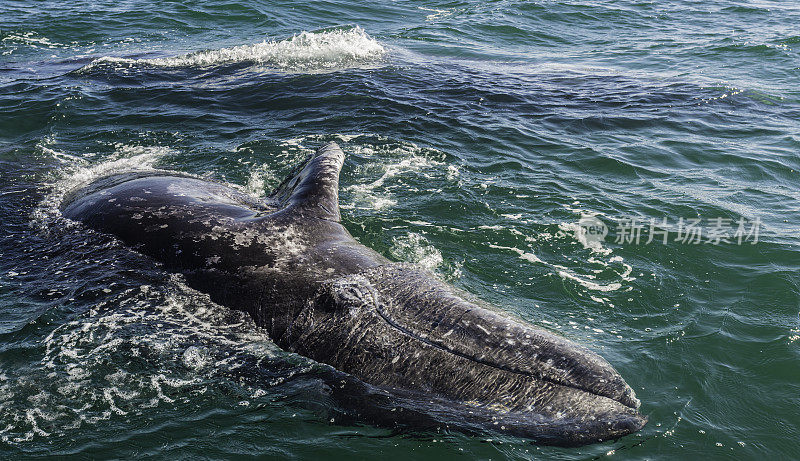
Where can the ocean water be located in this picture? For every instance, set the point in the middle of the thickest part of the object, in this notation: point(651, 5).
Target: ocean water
point(482, 137)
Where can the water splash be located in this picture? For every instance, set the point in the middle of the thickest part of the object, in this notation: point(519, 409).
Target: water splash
point(415, 248)
point(391, 161)
point(147, 347)
point(306, 51)
point(77, 172)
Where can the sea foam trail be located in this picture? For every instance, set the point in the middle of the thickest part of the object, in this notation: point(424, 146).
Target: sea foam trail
point(339, 48)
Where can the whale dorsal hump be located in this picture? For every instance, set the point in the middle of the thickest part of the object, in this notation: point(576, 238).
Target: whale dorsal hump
point(312, 190)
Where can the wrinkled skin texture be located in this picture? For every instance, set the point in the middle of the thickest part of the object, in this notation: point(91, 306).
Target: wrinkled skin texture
point(301, 276)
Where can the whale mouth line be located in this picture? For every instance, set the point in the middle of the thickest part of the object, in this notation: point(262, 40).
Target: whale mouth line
point(394, 324)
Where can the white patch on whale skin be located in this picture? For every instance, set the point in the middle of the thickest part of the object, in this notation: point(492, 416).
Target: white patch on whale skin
point(245, 238)
point(286, 243)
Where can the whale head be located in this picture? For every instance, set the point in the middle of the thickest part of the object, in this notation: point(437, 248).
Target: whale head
point(398, 327)
point(454, 358)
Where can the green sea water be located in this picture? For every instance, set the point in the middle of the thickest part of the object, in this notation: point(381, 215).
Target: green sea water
point(479, 136)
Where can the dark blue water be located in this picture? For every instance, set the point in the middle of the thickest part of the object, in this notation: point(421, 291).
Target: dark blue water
point(479, 136)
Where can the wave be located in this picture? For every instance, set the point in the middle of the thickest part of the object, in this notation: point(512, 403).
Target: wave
point(330, 49)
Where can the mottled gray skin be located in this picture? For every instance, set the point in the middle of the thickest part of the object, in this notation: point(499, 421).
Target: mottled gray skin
point(291, 264)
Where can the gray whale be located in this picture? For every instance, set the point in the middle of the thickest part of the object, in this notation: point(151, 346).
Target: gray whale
point(394, 327)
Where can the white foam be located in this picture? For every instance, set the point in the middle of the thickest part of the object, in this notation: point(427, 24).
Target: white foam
point(436, 13)
point(574, 229)
point(77, 172)
point(306, 51)
point(186, 341)
point(530, 257)
point(415, 248)
point(414, 163)
point(259, 176)
point(588, 284)
point(566, 273)
point(392, 160)
point(31, 39)
point(452, 173)
point(348, 137)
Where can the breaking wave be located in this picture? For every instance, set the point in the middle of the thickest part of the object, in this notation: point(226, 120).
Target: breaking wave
point(306, 51)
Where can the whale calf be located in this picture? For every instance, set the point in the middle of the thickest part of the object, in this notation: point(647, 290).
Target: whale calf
point(290, 263)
